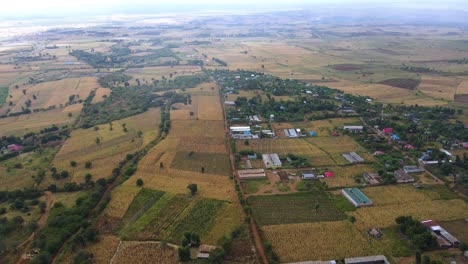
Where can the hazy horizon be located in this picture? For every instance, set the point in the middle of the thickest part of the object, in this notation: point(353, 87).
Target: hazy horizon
point(22, 9)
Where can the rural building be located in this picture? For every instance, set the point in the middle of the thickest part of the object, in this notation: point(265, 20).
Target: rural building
point(271, 161)
point(14, 147)
point(387, 131)
point(379, 259)
point(284, 176)
point(329, 174)
point(308, 175)
point(409, 146)
point(251, 174)
point(353, 157)
point(292, 132)
point(356, 197)
point(203, 255)
point(354, 129)
point(371, 178)
point(229, 103)
point(446, 152)
point(314, 262)
point(412, 169)
point(241, 132)
point(395, 137)
point(254, 119)
point(402, 177)
point(268, 133)
point(375, 232)
point(252, 156)
point(379, 153)
point(444, 238)
point(465, 144)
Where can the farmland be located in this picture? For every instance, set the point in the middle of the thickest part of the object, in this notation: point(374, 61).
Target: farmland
point(142, 252)
point(276, 209)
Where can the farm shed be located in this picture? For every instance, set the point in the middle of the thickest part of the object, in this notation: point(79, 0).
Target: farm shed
point(284, 176)
point(402, 177)
point(354, 129)
point(229, 103)
point(356, 197)
point(251, 174)
point(353, 157)
point(271, 161)
point(378, 259)
point(444, 238)
point(395, 137)
point(308, 175)
point(291, 133)
point(312, 133)
point(239, 129)
point(379, 153)
point(371, 178)
point(203, 255)
point(412, 169)
point(375, 232)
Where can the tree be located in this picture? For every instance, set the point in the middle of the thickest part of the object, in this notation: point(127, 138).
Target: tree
point(352, 219)
point(139, 182)
point(73, 163)
point(193, 188)
point(88, 165)
point(161, 165)
point(317, 206)
point(42, 206)
point(98, 140)
point(83, 257)
point(418, 257)
point(184, 253)
point(88, 177)
point(426, 260)
point(202, 169)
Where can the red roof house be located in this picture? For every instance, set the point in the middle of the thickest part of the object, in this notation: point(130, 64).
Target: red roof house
point(334, 133)
point(14, 147)
point(329, 174)
point(388, 130)
point(409, 146)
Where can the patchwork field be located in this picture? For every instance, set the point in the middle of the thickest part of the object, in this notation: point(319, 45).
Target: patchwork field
point(23, 124)
point(335, 146)
point(101, 94)
point(439, 87)
point(121, 198)
point(343, 176)
point(317, 241)
point(321, 127)
point(113, 145)
point(148, 74)
point(277, 209)
point(104, 250)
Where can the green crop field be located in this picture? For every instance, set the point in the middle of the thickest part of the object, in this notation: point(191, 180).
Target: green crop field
point(294, 208)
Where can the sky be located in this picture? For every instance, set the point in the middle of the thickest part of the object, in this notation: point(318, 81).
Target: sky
point(21, 8)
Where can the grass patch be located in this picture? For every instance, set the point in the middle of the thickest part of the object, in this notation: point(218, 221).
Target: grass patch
point(394, 243)
point(253, 186)
point(294, 208)
point(3, 95)
point(443, 192)
point(342, 203)
point(144, 199)
point(194, 161)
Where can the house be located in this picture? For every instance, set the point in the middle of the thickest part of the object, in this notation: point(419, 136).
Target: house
point(402, 177)
point(372, 178)
point(271, 161)
point(308, 175)
point(464, 145)
point(375, 232)
point(379, 259)
point(314, 134)
point(395, 137)
point(387, 130)
point(409, 146)
point(251, 174)
point(14, 147)
point(203, 255)
point(229, 103)
point(412, 169)
point(379, 153)
point(354, 129)
point(291, 133)
point(446, 152)
point(444, 238)
point(328, 174)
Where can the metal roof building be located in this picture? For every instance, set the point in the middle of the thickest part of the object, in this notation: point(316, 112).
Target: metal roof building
point(271, 161)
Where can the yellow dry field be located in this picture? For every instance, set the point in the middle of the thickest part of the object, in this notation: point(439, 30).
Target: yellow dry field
point(227, 220)
point(15, 179)
point(114, 145)
point(104, 249)
point(439, 87)
point(463, 87)
point(384, 215)
point(321, 127)
point(121, 198)
point(344, 175)
point(385, 93)
point(100, 94)
point(209, 108)
point(55, 93)
point(23, 124)
point(148, 74)
point(399, 194)
point(135, 252)
point(317, 241)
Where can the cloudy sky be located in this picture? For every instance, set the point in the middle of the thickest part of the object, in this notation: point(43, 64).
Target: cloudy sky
point(65, 7)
